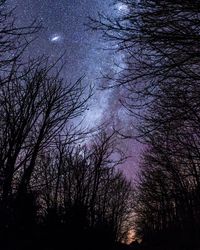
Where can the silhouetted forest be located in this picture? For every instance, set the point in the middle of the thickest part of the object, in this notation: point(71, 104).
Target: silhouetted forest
point(59, 183)
point(162, 80)
point(59, 186)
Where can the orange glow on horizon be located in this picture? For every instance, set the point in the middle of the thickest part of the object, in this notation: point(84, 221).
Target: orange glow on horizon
point(130, 236)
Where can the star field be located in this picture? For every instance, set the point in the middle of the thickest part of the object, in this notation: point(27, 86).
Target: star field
point(64, 31)
point(85, 53)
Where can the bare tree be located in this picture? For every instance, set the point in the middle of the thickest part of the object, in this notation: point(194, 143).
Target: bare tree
point(161, 79)
point(34, 110)
point(13, 42)
point(82, 186)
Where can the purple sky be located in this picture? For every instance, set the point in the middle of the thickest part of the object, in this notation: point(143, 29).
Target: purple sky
point(85, 54)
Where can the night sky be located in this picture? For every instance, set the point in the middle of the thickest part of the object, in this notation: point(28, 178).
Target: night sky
point(85, 54)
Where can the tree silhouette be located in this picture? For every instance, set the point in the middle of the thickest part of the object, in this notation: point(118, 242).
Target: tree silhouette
point(161, 79)
point(82, 187)
point(57, 183)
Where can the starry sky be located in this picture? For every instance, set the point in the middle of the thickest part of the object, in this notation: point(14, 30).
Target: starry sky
point(85, 53)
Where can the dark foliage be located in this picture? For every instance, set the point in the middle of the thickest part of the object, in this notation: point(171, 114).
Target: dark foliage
point(54, 193)
point(161, 77)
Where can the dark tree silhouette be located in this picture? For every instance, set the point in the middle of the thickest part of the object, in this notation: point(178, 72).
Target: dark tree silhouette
point(57, 184)
point(13, 42)
point(160, 40)
point(82, 187)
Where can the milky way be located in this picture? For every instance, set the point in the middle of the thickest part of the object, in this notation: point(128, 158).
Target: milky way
point(84, 52)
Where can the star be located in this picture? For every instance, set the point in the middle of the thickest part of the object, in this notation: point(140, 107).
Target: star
point(55, 38)
point(122, 7)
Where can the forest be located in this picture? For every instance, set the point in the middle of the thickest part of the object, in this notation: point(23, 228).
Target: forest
point(60, 185)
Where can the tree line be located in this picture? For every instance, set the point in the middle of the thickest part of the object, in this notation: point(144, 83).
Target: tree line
point(54, 187)
point(161, 42)
point(59, 184)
